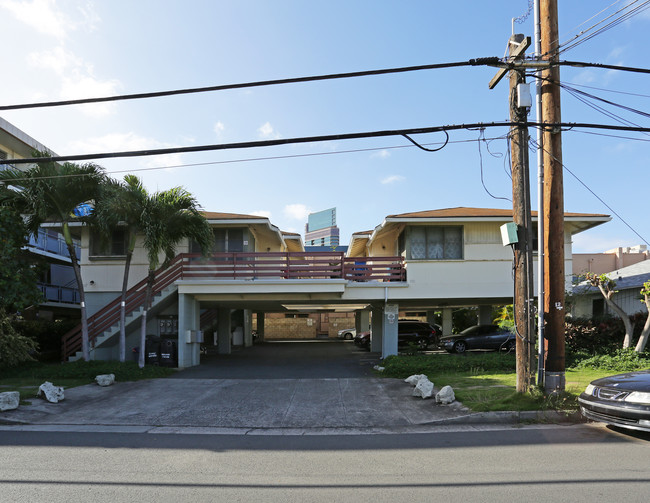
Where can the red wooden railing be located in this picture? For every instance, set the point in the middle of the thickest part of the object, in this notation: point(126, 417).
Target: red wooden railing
point(241, 266)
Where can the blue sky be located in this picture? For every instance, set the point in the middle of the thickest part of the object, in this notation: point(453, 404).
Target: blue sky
point(70, 49)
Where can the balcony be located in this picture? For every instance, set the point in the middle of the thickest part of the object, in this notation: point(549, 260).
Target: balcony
point(295, 265)
point(53, 243)
point(59, 294)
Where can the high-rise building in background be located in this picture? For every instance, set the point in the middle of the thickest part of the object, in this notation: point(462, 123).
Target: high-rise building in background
point(321, 229)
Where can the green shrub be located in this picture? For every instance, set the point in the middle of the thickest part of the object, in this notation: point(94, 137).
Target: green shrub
point(623, 360)
point(14, 348)
point(406, 365)
point(598, 336)
point(47, 334)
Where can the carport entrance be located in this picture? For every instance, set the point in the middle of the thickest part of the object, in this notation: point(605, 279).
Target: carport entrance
point(306, 359)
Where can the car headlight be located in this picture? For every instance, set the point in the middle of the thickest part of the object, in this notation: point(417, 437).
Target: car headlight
point(590, 389)
point(638, 397)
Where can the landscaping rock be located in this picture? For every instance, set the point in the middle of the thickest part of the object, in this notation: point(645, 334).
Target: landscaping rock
point(446, 395)
point(51, 393)
point(414, 379)
point(378, 368)
point(9, 400)
point(424, 388)
point(105, 379)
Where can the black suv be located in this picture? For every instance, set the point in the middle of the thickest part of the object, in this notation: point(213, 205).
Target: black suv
point(417, 332)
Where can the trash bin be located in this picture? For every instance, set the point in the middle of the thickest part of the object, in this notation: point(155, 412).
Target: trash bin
point(152, 350)
point(168, 353)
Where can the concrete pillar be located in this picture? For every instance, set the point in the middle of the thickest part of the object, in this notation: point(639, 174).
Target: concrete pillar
point(248, 326)
point(485, 315)
point(189, 353)
point(362, 321)
point(223, 331)
point(389, 335)
point(377, 329)
point(447, 315)
point(260, 327)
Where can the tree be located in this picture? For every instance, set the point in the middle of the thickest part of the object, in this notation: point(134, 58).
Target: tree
point(18, 273)
point(51, 192)
point(122, 206)
point(168, 218)
point(607, 288)
point(643, 338)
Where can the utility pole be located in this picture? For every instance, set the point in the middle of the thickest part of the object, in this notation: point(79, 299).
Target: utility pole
point(523, 257)
point(553, 200)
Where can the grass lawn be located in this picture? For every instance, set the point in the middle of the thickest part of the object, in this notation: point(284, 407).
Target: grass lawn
point(487, 381)
point(26, 378)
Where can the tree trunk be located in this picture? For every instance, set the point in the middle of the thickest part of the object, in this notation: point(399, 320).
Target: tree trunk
point(627, 341)
point(143, 326)
point(82, 294)
point(125, 284)
point(643, 338)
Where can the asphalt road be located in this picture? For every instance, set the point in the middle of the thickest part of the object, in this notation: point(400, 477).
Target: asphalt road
point(547, 463)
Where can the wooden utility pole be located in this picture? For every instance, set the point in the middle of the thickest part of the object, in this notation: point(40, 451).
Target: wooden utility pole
point(554, 282)
point(521, 213)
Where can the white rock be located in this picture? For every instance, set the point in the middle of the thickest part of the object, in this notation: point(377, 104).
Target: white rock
point(9, 400)
point(378, 368)
point(105, 379)
point(414, 379)
point(423, 388)
point(51, 393)
point(445, 395)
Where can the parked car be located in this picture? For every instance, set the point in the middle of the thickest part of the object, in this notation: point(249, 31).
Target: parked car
point(620, 400)
point(479, 337)
point(347, 334)
point(362, 340)
point(417, 332)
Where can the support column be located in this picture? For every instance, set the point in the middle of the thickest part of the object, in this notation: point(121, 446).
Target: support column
point(485, 315)
point(260, 327)
point(248, 326)
point(223, 331)
point(389, 336)
point(377, 329)
point(362, 321)
point(447, 325)
point(189, 353)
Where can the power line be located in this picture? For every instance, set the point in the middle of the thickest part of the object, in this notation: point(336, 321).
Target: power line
point(245, 85)
point(315, 139)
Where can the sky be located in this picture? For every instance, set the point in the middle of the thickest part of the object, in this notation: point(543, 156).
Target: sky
point(56, 50)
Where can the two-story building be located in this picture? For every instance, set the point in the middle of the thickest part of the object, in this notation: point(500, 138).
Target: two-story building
point(428, 261)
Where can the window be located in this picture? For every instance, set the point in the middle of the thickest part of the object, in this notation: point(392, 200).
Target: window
point(435, 243)
point(113, 247)
point(228, 240)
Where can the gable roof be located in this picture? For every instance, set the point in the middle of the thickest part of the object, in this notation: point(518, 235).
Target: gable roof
point(461, 212)
point(632, 276)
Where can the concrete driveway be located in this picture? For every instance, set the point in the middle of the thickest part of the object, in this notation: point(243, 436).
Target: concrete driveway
point(305, 385)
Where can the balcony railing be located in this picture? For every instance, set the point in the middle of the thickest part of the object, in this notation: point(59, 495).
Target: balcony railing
point(295, 265)
point(53, 244)
point(62, 294)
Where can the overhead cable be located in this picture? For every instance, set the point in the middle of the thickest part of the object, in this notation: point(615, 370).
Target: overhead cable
point(315, 139)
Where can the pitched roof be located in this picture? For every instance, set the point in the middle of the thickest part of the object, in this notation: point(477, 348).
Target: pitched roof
point(468, 212)
point(215, 215)
point(632, 276)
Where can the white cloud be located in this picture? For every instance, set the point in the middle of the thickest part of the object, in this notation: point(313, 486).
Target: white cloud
point(77, 79)
point(45, 17)
point(382, 154)
point(262, 213)
point(267, 132)
point(219, 128)
point(296, 211)
point(392, 179)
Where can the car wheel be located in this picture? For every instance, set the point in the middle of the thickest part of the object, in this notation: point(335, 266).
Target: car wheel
point(348, 336)
point(423, 344)
point(460, 347)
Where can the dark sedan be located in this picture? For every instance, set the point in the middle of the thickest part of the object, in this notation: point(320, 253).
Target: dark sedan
point(479, 337)
point(362, 340)
point(620, 400)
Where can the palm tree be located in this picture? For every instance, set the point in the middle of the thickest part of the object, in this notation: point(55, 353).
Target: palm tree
point(168, 218)
point(51, 192)
point(121, 207)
